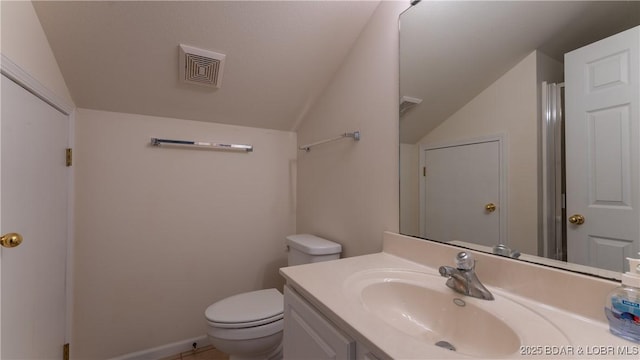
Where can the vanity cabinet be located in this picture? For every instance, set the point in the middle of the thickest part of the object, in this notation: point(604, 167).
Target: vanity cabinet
point(309, 335)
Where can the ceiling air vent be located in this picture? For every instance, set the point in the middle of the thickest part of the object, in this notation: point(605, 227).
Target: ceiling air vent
point(201, 67)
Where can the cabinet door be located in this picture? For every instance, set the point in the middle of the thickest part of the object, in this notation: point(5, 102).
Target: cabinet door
point(362, 353)
point(308, 335)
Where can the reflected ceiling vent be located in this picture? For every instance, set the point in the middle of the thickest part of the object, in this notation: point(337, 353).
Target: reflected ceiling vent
point(407, 102)
point(201, 67)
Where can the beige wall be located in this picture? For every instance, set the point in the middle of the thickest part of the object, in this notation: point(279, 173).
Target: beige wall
point(549, 69)
point(348, 191)
point(509, 106)
point(23, 41)
point(161, 233)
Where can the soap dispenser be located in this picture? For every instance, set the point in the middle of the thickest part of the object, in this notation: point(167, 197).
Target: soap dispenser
point(623, 305)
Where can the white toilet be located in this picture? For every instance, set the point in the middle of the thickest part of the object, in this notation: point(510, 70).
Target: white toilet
point(249, 325)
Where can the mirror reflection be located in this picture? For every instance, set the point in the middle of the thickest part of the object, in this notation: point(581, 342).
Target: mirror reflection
point(520, 129)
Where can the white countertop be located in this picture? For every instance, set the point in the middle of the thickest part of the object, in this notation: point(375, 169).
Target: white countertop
point(322, 284)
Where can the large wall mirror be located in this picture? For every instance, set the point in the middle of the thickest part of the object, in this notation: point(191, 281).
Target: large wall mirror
point(520, 129)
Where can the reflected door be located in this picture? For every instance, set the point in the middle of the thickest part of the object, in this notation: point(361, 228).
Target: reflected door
point(461, 183)
point(602, 89)
point(34, 203)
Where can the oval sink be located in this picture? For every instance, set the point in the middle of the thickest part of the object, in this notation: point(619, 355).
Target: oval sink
point(421, 306)
point(435, 316)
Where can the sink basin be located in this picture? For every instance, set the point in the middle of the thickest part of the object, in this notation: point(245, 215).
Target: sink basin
point(421, 306)
point(433, 316)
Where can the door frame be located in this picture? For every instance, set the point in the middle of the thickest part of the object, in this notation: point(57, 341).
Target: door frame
point(552, 243)
point(15, 73)
point(502, 187)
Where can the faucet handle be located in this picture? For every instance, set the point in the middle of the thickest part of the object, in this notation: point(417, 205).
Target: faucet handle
point(464, 261)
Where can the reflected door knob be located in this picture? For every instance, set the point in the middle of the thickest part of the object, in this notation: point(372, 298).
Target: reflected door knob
point(11, 240)
point(576, 219)
point(490, 207)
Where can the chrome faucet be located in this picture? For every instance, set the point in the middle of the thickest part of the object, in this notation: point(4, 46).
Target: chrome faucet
point(503, 250)
point(463, 278)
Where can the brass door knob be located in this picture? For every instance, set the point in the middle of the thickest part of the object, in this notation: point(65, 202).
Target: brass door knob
point(576, 219)
point(11, 240)
point(490, 207)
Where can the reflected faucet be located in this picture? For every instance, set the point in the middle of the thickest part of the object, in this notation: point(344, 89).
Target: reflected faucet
point(463, 278)
point(503, 250)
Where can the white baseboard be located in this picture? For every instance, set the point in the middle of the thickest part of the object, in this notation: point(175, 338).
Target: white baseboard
point(166, 350)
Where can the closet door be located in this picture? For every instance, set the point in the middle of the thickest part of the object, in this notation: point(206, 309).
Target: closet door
point(34, 203)
point(461, 183)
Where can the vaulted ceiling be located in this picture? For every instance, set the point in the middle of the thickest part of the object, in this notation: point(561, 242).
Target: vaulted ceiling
point(122, 56)
point(452, 50)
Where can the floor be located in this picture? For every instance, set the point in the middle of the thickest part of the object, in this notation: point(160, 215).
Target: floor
point(204, 353)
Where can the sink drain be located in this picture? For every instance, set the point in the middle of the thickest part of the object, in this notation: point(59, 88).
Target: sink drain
point(459, 302)
point(445, 344)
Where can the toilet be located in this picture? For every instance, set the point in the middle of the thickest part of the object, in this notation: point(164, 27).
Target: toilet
point(249, 325)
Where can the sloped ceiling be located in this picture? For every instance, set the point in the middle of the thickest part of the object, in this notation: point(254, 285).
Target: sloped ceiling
point(452, 50)
point(122, 56)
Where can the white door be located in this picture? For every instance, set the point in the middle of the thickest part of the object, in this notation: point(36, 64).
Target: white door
point(602, 90)
point(459, 182)
point(34, 203)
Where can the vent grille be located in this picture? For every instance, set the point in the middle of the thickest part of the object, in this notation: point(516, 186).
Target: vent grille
point(201, 67)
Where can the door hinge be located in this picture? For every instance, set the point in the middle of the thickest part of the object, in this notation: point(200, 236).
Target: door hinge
point(69, 157)
point(65, 352)
point(424, 171)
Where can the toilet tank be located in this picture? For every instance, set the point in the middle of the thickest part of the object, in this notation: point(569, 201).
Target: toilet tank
point(307, 249)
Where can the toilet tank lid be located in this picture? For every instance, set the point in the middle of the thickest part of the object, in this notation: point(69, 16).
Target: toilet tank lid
point(313, 245)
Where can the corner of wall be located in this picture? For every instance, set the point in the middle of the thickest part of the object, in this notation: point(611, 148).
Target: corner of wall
point(25, 43)
point(348, 192)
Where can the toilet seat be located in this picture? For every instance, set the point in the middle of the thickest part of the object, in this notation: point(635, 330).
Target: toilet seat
point(246, 310)
point(247, 333)
point(244, 325)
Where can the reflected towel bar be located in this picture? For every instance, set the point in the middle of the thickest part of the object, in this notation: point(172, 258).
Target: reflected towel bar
point(355, 135)
point(236, 147)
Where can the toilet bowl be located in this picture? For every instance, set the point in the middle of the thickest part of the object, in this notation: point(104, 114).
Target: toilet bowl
point(247, 325)
point(250, 325)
